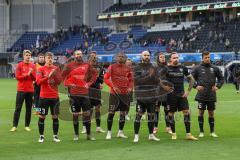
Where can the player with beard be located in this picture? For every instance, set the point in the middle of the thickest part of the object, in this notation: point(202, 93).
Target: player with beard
point(206, 75)
point(161, 71)
point(78, 77)
point(48, 77)
point(25, 75)
point(146, 90)
point(95, 90)
point(177, 100)
point(72, 63)
point(40, 63)
point(120, 80)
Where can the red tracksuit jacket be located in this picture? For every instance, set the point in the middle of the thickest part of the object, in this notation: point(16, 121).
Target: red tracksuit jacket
point(49, 86)
point(25, 82)
point(80, 78)
point(119, 76)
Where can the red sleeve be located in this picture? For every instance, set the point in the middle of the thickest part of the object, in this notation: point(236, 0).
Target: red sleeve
point(39, 78)
point(107, 76)
point(33, 74)
point(18, 73)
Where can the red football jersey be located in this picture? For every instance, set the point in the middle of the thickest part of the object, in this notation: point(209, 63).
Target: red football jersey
point(80, 78)
point(49, 85)
point(25, 81)
point(119, 76)
point(69, 67)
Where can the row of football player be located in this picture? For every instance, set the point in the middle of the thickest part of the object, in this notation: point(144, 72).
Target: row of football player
point(84, 80)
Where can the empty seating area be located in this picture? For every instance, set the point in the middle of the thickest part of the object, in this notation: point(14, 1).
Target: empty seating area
point(137, 31)
point(172, 26)
point(74, 42)
point(160, 4)
point(166, 35)
point(213, 37)
point(28, 40)
point(123, 7)
point(104, 31)
point(118, 37)
point(193, 37)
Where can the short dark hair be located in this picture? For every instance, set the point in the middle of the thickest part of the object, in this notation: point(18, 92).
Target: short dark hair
point(40, 54)
point(204, 53)
point(160, 53)
point(172, 54)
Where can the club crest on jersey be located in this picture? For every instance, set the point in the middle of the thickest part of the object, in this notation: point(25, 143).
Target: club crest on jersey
point(211, 69)
point(181, 70)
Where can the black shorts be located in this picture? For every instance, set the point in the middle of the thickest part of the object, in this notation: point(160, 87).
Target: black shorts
point(79, 103)
point(161, 103)
point(95, 97)
point(209, 105)
point(45, 103)
point(131, 96)
point(176, 103)
point(143, 106)
point(119, 102)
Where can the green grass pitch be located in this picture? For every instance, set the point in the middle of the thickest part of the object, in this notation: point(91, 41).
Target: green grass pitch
point(23, 145)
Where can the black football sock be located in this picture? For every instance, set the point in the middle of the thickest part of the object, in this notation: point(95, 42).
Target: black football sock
point(201, 123)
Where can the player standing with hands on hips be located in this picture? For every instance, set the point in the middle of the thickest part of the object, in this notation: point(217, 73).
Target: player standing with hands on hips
point(205, 75)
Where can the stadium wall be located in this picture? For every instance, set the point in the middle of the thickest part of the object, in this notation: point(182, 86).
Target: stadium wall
point(44, 15)
point(71, 12)
point(3, 20)
point(34, 14)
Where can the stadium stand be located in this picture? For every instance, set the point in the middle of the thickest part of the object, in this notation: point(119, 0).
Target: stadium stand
point(123, 7)
point(182, 37)
point(27, 40)
point(157, 4)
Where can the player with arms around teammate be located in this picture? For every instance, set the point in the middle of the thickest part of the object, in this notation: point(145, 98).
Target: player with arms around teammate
point(161, 73)
point(205, 75)
point(177, 100)
point(95, 90)
point(78, 81)
point(48, 77)
point(25, 75)
point(120, 80)
point(146, 90)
